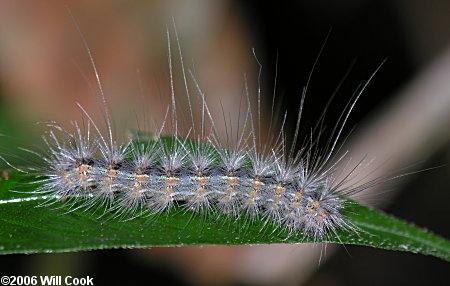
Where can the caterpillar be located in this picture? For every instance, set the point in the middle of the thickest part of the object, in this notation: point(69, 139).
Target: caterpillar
point(292, 185)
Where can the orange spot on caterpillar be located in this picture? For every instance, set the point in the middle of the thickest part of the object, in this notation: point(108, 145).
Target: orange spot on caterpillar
point(83, 168)
point(140, 178)
point(279, 190)
point(257, 185)
point(298, 195)
point(316, 204)
point(202, 181)
point(171, 181)
point(296, 205)
point(232, 181)
point(111, 173)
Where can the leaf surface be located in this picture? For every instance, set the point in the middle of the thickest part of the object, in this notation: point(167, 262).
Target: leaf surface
point(29, 227)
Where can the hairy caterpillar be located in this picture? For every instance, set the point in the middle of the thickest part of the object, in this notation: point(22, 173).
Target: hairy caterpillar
point(292, 189)
point(116, 208)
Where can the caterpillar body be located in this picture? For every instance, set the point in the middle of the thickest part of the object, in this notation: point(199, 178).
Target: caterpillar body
point(291, 188)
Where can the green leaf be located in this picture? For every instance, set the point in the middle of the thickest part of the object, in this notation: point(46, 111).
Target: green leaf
point(28, 228)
